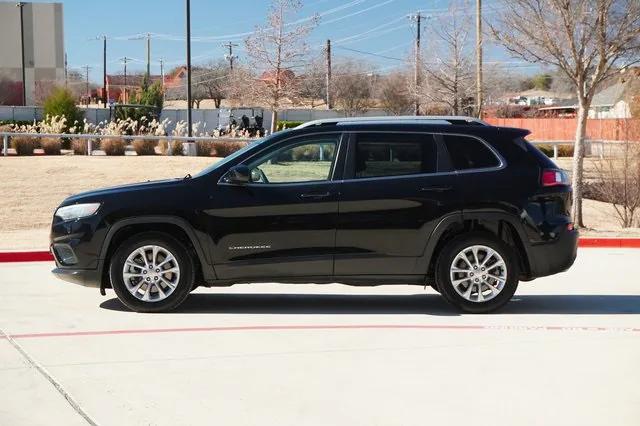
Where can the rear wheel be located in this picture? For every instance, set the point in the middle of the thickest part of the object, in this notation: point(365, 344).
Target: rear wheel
point(477, 273)
point(152, 272)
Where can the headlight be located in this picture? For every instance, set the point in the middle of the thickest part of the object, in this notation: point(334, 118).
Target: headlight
point(76, 211)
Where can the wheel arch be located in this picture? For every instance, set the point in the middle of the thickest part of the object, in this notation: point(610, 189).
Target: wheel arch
point(500, 224)
point(175, 226)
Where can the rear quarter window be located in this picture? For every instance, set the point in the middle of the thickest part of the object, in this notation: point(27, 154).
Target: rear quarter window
point(469, 153)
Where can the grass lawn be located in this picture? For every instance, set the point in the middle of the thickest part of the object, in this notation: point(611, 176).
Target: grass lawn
point(32, 187)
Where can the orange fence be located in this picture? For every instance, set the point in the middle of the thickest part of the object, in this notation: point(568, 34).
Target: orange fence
point(560, 129)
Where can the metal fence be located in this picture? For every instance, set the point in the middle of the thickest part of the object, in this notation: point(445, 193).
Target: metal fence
point(188, 142)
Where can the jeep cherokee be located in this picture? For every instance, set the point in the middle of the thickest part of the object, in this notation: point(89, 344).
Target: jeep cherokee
point(451, 202)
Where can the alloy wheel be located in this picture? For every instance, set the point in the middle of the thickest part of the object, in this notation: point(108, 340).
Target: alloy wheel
point(478, 273)
point(151, 273)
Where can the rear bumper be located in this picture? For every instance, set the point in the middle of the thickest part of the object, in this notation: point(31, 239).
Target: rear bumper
point(554, 256)
point(83, 277)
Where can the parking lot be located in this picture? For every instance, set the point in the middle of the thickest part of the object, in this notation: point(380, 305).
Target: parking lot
point(564, 351)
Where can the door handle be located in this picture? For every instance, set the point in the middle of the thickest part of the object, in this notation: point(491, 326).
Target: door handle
point(435, 188)
point(316, 195)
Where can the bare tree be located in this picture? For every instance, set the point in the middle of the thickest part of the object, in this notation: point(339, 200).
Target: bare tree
point(618, 182)
point(449, 68)
point(239, 82)
point(352, 87)
point(500, 82)
point(278, 48)
point(211, 80)
point(394, 94)
point(588, 40)
point(312, 83)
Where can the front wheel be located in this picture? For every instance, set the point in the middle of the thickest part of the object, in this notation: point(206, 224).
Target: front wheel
point(152, 272)
point(477, 273)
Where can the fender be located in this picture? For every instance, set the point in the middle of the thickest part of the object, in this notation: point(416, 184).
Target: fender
point(207, 268)
point(495, 215)
point(422, 264)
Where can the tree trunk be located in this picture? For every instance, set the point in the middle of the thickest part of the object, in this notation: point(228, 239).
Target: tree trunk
point(274, 122)
point(578, 163)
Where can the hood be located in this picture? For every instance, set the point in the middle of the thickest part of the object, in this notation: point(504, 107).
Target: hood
point(100, 194)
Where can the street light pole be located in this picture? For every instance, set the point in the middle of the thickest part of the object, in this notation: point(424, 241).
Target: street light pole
point(105, 96)
point(24, 82)
point(189, 118)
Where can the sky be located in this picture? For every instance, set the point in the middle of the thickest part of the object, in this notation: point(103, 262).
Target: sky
point(382, 27)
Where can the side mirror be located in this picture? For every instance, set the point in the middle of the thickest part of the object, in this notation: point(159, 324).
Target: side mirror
point(239, 175)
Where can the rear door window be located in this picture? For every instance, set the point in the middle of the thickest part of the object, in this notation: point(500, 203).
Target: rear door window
point(394, 154)
point(469, 153)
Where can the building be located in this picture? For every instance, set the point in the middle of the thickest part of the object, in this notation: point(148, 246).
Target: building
point(42, 26)
point(535, 97)
point(614, 101)
point(120, 89)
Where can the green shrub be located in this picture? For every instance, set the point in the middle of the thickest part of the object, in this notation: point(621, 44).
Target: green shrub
point(113, 146)
point(177, 147)
point(144, 146)
point(51, 146)
point(226, 148)
point(61, 103)
point(23, 145)
point(284, 124)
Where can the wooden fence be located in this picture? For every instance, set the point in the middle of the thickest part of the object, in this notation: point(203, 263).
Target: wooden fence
point(563, 129)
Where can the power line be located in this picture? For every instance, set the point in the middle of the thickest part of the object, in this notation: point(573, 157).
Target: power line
point(369, 53)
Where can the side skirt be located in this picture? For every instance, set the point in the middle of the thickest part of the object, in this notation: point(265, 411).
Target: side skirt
point(353, 280)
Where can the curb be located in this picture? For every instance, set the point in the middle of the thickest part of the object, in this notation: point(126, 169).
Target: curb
point(45, 256)
point(609, 242)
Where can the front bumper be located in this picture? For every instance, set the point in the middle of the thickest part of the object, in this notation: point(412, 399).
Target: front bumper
point(84, 277)
point(76, 246)
point(555, 256)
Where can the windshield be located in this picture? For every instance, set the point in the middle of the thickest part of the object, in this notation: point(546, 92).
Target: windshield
point(229, 158)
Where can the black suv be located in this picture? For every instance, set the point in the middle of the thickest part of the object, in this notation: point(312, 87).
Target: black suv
point(451, 202)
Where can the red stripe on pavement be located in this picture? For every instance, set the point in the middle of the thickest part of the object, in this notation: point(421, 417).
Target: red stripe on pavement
point(323, 327)
point(25, 256)
point(586, 242)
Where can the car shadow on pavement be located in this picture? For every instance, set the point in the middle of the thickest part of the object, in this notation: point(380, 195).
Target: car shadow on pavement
point(260, 303)
point(426, 304)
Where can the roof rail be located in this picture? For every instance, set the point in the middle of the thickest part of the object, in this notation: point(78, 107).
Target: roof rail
point(433, 119)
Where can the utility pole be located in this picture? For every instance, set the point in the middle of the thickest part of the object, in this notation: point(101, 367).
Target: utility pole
point(416, 71)
point(66, 71)
point(229, 56)
point(479, 57)
point(148, 55)
point(105, 95)
point(189, 118)
point(328, 83)
point(86, 70)
point(124, 92)
point(24, 82)
point(162, 77)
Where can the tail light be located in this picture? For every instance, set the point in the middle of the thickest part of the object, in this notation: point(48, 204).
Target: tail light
point(553, 177)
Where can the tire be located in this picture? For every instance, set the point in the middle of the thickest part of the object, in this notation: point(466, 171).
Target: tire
point(458, 281)
point(143, 288)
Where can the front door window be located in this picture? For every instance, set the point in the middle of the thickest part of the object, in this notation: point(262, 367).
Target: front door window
point(306, 161)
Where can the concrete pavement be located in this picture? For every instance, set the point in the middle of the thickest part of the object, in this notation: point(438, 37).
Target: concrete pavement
point(564, 351)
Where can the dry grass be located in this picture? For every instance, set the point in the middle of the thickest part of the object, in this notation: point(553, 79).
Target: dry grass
point(33, 187)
